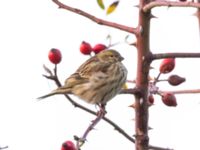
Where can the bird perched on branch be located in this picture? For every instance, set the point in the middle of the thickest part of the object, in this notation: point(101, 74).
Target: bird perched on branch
point(97, 80)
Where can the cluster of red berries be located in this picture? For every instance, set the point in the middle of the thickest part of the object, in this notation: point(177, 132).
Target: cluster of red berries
point(87, 49)
point(55, 55)
point(166, 66)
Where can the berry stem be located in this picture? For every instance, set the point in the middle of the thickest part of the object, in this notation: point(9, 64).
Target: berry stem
point(157, 78)
point(55, 70)
point(162, 80)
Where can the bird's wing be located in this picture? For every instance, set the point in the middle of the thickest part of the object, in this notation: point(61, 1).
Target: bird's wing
point(92, 66)
point(85, 71)
point(75, 79)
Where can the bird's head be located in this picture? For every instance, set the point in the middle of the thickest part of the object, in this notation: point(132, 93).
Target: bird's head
point(110, 56)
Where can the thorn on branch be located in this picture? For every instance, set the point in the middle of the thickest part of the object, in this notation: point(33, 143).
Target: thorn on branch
point(153, 17)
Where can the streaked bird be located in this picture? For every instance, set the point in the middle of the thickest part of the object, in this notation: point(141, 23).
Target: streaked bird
point(97, 80)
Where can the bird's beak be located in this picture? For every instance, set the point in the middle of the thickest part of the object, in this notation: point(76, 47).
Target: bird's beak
point(121, 58)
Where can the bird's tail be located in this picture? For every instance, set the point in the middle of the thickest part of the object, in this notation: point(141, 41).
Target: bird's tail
point(55, 92)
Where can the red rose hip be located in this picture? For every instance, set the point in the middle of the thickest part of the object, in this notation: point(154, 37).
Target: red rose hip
point(167, 65)
point(98, 48)
point(55, 56)
point(151, 99)
point(169, 99)
point(68, 145)
point(175, 80)
point(85, 48)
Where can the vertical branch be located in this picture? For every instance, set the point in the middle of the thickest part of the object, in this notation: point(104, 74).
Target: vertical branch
point(198, 15)
point(143, 65)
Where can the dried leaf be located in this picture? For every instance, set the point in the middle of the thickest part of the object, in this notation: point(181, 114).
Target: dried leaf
point(112, 7)
point(101, 4)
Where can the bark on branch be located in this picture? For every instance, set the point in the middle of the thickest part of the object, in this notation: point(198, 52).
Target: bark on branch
point(95, 19)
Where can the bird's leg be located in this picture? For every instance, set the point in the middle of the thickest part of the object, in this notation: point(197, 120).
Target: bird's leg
point(102, 109)
point(100, 114)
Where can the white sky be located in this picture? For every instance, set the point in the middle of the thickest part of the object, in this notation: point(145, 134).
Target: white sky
point(29, 29)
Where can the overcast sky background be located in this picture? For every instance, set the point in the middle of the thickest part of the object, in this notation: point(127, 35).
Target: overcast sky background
point(29, 29)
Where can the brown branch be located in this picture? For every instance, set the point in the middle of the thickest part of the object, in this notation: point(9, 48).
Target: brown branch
point(197, 14)
point(158, 3)
point(173, 55)
point(191, 91)
point(143, 65)
point(133, 91)
point(95, 19)
point(100, 115)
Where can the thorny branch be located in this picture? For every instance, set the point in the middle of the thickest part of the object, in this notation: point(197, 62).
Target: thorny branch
point(100, 115)
point(95, 19)
point(157, 3)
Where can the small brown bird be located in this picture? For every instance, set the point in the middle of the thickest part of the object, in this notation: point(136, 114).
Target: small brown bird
point(97, 80)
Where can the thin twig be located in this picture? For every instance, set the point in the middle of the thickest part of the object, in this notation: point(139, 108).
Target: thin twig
point(131, 81)
point(95, 19)
point(158, 148)
point(174, 55)
point(157, 3)
point(197, 14)
point(3, 147)
point(132, 91)
point(191, 91)
point(81, 140)
point(157, 78)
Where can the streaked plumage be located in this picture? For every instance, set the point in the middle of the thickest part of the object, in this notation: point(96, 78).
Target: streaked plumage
point(97, 80)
